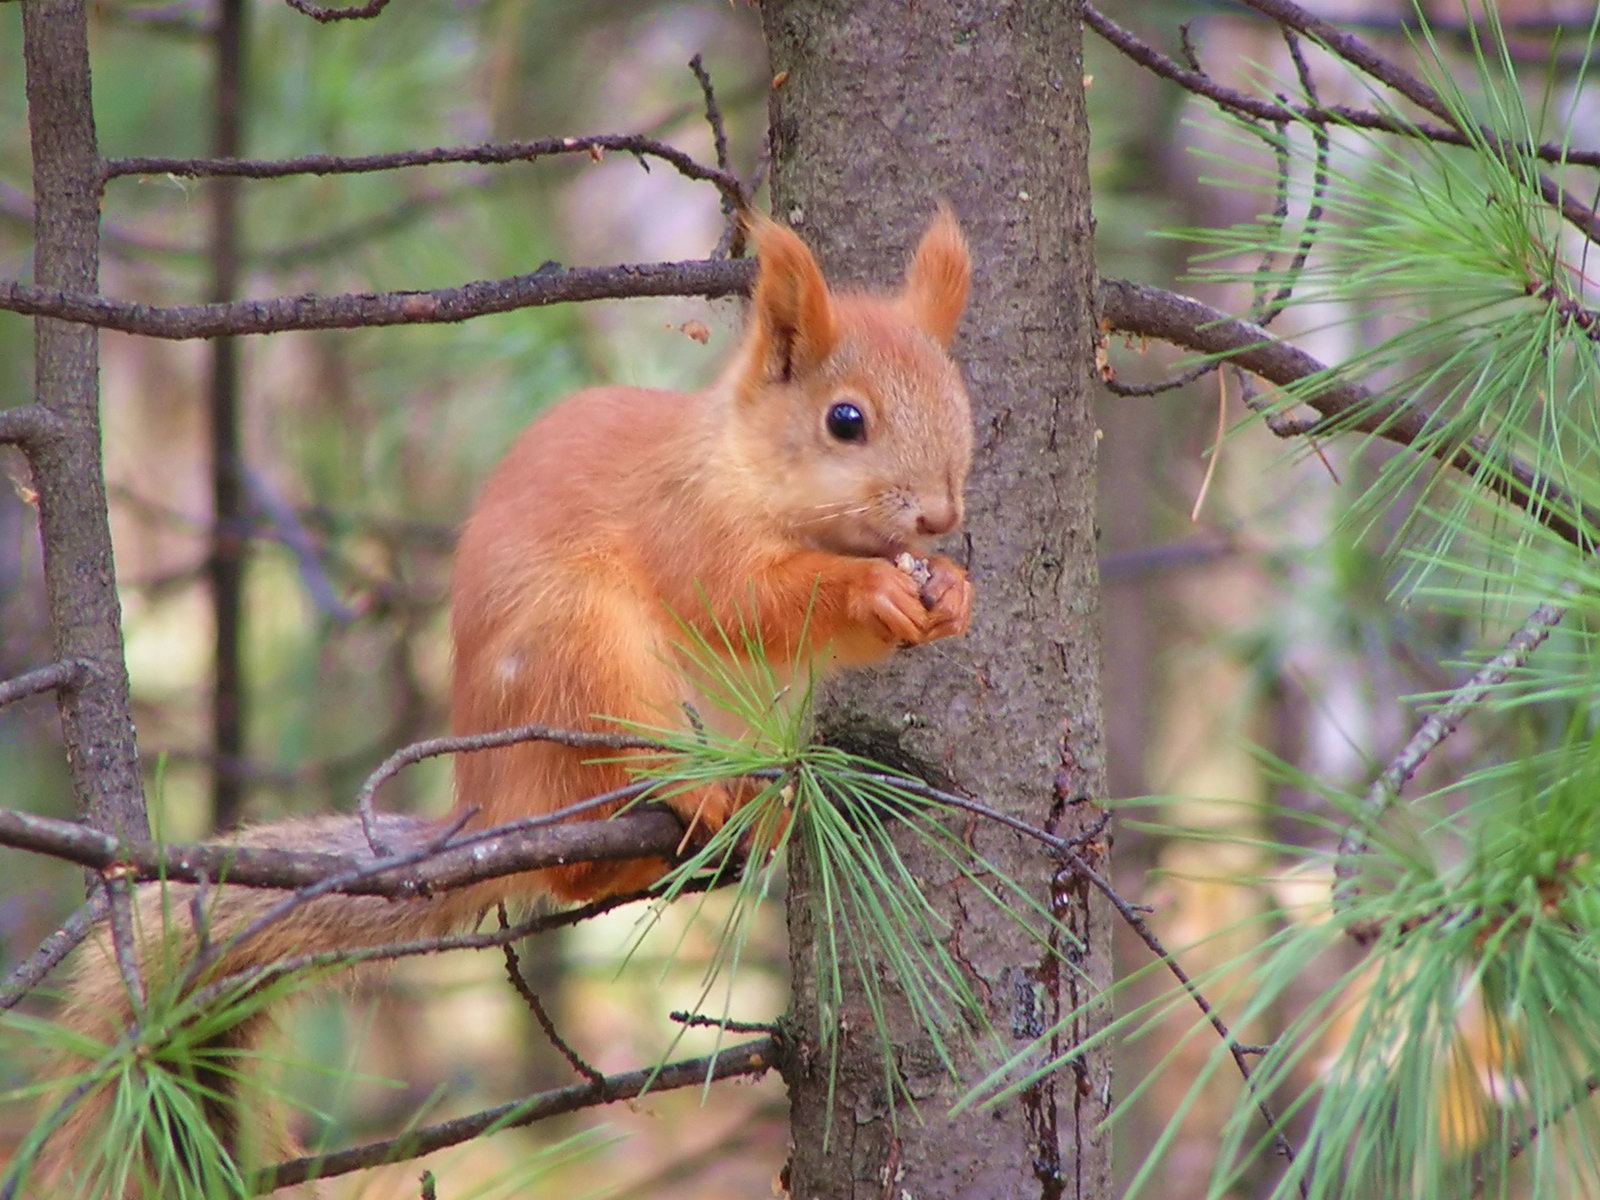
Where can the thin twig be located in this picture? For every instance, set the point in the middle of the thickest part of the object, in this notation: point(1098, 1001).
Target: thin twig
point(469, 743)
point(719, 135)
point(43, 679)
point(1319, 184)
point(733, 227)
point(751, 1058)
point(118, 889)
point(200, 915)
point(357, 310)
point(1182, 379)
point(323, 15)
point(729, 184)
point(726, 1024)
point(1248, 105)
point(531, 998)
point(1438, 725)
point(27, 974)
point(260, 976)
point(1519, 1146)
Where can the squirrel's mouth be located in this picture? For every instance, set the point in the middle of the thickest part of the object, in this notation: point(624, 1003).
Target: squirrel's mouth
point(868, 543)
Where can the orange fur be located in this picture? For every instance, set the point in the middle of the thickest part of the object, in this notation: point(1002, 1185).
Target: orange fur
point(622, 511)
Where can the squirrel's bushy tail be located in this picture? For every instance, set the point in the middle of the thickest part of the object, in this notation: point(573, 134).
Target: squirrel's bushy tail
point(208, 1054)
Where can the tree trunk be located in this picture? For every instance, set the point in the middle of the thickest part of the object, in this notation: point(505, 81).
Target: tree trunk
point(68, 474)
point(882, 108)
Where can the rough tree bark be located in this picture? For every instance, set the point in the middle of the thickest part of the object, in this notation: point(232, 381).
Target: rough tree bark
point(64, 452)
point(881, 109)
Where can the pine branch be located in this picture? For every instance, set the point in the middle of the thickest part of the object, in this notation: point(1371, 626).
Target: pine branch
point(1245, 104)
point(1435, 728)
point(1152, 312)
point(1364, 58)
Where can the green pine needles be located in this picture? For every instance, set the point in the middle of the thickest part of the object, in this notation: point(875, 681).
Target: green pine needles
point(1457, 1050)
point(873, 921)
point(1454, 281)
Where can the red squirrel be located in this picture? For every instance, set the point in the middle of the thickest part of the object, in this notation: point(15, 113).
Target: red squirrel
point(838, 438)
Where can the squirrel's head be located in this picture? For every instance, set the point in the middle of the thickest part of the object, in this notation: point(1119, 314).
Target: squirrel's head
point(849, 404)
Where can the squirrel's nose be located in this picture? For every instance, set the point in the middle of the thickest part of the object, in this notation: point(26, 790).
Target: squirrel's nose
point(937, 518)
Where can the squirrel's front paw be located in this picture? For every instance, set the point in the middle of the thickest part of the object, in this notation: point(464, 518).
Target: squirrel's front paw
point(887, 601)
point(909, 608)
point(947, 596)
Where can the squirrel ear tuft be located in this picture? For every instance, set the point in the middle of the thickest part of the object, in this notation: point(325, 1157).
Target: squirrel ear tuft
point(791, 320)
point(937, 279)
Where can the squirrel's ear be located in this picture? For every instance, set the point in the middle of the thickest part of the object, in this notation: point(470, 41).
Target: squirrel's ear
point(792, 324)
point(938, 277)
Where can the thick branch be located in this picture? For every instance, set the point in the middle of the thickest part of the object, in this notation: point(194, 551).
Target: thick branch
point(22, 426)
point(359, 310)
point(1153, 312)
point(752, 1058)
point(495, 852)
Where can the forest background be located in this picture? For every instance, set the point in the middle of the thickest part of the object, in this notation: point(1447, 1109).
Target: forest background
point(1238, 611)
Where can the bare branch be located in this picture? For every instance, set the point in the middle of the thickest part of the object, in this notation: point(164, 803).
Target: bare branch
point(44, 679)
point(1266, 311)
point(719, 135)
point(594, 145)
point(751, 1058)
point(731, 241)
point(118, 890)
point(726, 1024)
point(318, 13)
point(1153, 312)
point(360, 310)
point(1156, 387)
point(28, 973)
point(520, 985)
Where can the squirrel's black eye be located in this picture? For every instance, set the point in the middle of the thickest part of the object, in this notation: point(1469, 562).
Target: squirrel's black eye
point(846, 422)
